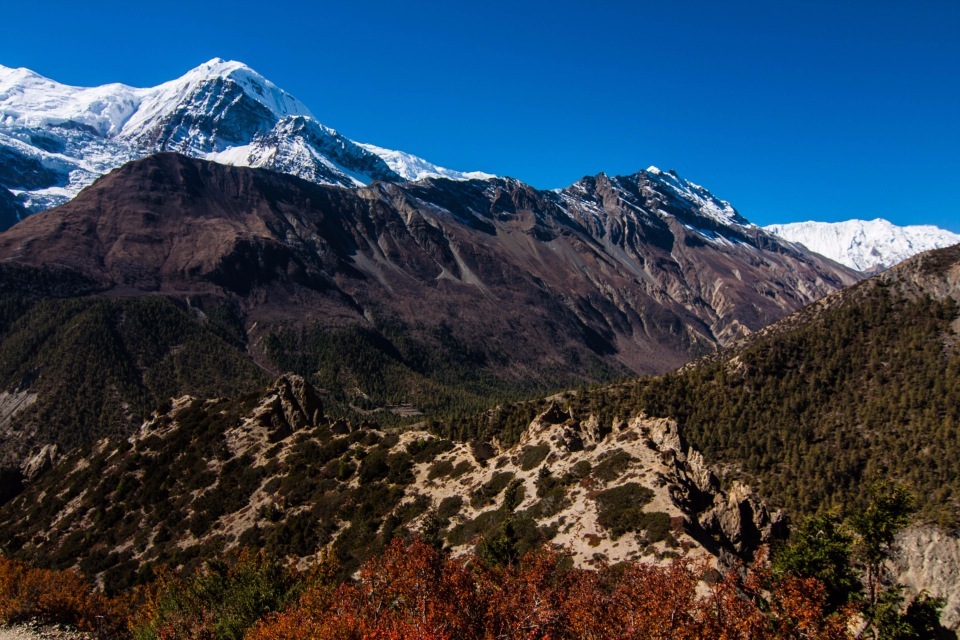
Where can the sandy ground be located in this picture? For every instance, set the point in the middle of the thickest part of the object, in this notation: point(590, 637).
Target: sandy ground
point(32, 631)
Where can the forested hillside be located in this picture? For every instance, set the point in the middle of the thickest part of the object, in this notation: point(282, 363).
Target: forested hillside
point(862, 386)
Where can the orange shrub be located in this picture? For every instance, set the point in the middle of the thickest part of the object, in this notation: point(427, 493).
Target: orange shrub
point(414, 592)
point(55, 596)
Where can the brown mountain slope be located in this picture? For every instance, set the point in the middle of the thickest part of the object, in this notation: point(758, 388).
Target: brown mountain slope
point(618, 269)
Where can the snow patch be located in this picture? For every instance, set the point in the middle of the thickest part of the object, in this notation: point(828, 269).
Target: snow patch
point(411, 167)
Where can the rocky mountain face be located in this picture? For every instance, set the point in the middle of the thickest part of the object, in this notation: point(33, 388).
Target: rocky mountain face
point(56, 139)
point(632, 262)
point(398, 292)
point(10, 209)
point(868, 246)
point(273, 470)
point(927, 558)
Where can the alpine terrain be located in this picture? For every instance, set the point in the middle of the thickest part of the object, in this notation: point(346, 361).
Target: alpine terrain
point(56, 139)
point(438, 294)
point(867, 246)
point(260, 381)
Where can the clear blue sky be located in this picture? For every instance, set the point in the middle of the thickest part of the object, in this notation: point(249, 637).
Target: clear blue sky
point(789, 110)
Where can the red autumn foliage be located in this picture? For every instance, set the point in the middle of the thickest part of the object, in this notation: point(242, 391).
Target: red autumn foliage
point(56, 596)
point(413, 592)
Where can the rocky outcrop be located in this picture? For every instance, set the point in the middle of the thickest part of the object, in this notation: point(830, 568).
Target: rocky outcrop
point(736, 519)
point(927, 558)
point(723, 521)
point(289, 405)
point(12, 403)
point(10, 210)
point(740, 519)
point(40, 462)
point(11, 438)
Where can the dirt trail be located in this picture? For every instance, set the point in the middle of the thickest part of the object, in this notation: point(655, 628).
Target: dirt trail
point(32, 631)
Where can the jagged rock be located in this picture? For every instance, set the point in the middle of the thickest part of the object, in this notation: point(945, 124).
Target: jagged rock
point(699, 473)
point(546, 421)
point(290, 404)
point(741, 518)
point(572, 434)
point(593, 431)
point(301, 404)
point(927, 558)
point(662, 432)
point(12, 403)
point(554, 415)
point(39, 462)
point(571, 438)
point(737, 519)
point(691, 467)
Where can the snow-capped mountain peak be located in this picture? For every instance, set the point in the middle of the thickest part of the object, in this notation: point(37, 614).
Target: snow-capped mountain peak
point(705, 202)
point(56, 139)
point(199, 88)
point(28, 99)
point(865, 245)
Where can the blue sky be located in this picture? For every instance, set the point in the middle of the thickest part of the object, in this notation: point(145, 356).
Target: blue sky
point(789, 110)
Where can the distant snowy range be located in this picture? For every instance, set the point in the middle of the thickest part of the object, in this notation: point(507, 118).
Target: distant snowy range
point(56, 139)
point(865, 245)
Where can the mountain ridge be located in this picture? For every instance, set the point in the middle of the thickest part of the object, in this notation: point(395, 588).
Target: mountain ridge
point(865, 245)
point(56, 139)
point(442, 295)
point(65, 137)
point(620, 218)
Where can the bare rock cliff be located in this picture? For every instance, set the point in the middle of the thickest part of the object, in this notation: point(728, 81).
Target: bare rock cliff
point(927, 558)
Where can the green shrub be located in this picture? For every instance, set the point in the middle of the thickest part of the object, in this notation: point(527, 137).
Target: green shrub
point(491, 489)
point(426, 449)
point(532, 456)
point(222, 600)
point(613, 465)
point(461, 468)
point(401, 468)
point(345, 469)
point(620, 509)
point(581, 470)
point(655, 526)
point(485, 523)
point(552, 492)
point(449, 507)
point(439, 469)
point(373, 466)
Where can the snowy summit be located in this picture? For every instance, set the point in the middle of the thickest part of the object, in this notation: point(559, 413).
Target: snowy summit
point(56, 139)
point(865, 245)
